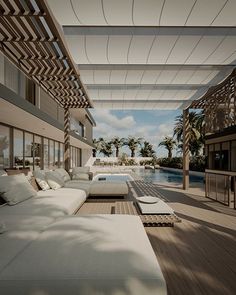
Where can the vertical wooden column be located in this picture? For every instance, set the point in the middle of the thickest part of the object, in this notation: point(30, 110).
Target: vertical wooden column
point(67, 138)
point(186, 149)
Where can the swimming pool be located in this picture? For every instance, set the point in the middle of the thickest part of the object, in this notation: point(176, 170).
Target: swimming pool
point(112, 177)
point(160, 175)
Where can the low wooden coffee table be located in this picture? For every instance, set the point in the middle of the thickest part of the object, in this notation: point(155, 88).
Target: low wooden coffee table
point(131, 208)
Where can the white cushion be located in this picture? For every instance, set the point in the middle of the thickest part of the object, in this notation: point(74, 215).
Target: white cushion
point(80, 176)
point(54, 180)
point(77, 170)
point(64, 174)
point(15, 189)
point(93, 254)
point(108, 188)
point(50, 203)
point(79, 184)
point(41, 180)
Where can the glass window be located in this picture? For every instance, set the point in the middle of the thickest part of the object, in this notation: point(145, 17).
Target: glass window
point(37, 152)
point(57, 154)
point(29, 150)
point(78, 157)
point(4, 147)
point(18, 148)
point(233, 155)
point(51, 154)
point(61, 155)
point(45, 153)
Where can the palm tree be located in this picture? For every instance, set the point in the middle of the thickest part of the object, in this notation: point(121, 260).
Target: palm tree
point(97, 143)
point(147, 150)
point(196, 135)
point(106, 148)
point(169, 143)
point(133, 144)
point(117, 143)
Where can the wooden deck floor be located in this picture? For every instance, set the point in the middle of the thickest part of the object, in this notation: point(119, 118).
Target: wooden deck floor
point(198, 255)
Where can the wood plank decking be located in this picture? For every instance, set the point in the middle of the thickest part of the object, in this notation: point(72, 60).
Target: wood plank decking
point(198, 255)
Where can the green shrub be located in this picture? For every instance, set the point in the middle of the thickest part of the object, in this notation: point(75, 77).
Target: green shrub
point(196, 163)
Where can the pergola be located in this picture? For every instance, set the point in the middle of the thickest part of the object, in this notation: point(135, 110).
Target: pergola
point(219, 106)
point(33, 40)
point(131, 56)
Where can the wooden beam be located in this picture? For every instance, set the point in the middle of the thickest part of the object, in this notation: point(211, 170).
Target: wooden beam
point(67, 138)
point(186, 129)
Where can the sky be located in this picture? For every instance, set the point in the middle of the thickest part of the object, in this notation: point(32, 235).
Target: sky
point(151, 125)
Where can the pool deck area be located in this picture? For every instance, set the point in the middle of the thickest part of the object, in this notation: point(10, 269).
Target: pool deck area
point(198, 255)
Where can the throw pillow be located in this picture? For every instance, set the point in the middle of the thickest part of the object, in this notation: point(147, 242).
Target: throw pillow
point(15, 189)
point(80, 176)
point(63, 173)
point(54, 180)
point(41, 180)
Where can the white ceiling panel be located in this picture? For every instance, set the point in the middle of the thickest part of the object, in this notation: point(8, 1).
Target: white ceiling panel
point(223, 52)
point(96, 47)
point(182, 77)
point(63, 11)
point(130, 93)
point(118, 94)
point(183, 49)
point(168, 94)
point(142, 94)
point(209, 77)
point(150, 77)
point(104, 94)
point(89, 12)
point(204, 48)
point(87, 76)
point(134, 77)
point(118, 49)
point(231, 59)
point(101, 76)
point(118, 77)
point(199, 76)
point(204, 12)
point(118, 13)
point(166, 76)
point(175, 12)
point(161, 49)
point(93, 93)
point(77, 49)
point(184, 94)
point(147, 12)
point(139, 49)
point(155, 94)
point(227, 15)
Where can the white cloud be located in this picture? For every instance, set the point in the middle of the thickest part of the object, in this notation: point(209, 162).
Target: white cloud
point(109, 125)
point(106, 117)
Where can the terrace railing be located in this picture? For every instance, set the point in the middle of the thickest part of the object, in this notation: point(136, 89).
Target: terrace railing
point(221, 186)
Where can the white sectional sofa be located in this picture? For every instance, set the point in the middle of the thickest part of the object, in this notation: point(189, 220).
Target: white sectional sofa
point(45, 249)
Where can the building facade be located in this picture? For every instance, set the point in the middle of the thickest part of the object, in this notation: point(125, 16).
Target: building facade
point(31, 125)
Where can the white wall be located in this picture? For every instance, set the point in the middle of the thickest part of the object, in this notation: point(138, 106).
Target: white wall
point(87, 157)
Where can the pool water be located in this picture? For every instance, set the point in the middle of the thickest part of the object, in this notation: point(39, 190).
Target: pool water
point(112, 177)
point(160, 175)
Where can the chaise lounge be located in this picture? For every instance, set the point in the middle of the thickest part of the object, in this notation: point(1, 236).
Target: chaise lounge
point(45, 249)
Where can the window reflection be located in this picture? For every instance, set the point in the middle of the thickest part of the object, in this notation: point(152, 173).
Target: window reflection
point(4, 147)
point(18, 148)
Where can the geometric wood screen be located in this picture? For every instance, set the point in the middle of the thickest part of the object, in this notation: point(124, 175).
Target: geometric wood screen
point(33, 40)
point(219, 104)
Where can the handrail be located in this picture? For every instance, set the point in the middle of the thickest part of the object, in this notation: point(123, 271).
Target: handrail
point(220, 172)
